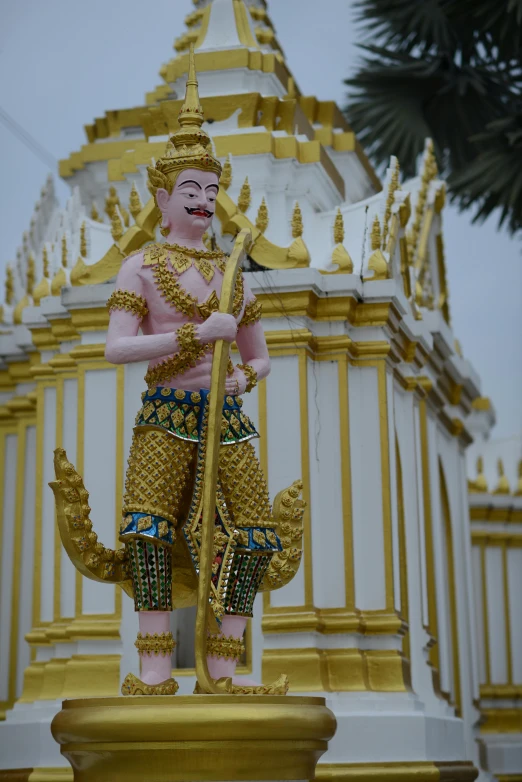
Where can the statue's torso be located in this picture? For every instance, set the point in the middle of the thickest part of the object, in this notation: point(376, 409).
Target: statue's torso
point(174, 299)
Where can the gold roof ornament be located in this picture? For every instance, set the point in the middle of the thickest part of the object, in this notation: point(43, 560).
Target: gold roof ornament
point(297, 221)
point(83, 240)
point(188, 147)
point(518, 490)
point(226, 176)
point(112, 202)
point(30, 275)
point(428, 172)
point(135, 204)
point(503, 486)
point(9, 285)
point(116, 225)
point(340, 255)
point(262, 218)
point(245, 196)
point(480, 484)
point(95, 215)
point(377, 262)
point(26, 300)
point(60, 278)
point(64, 251)
point(43, 288)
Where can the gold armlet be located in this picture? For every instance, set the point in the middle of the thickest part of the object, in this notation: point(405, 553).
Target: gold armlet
point(225, 646)
point(252, 313)
point(187, 339)
point(251, 376)
point(159, 643)
point(128, 301)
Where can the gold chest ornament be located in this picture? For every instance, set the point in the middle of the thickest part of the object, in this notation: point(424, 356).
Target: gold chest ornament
point(181, 259)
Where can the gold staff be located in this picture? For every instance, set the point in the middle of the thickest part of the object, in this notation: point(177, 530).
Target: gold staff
point(213, 442)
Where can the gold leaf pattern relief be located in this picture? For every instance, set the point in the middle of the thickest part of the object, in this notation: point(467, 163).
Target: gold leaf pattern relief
point(252, 313)
point(128, 301)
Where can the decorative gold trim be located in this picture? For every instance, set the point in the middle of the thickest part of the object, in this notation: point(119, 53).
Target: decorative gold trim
point(454, 623)
point(420, 771)
point(501, 721)
point(225, 646)
point(339, 670)
point(433, 622)
point(134, 686)
point(158, 644)
point(250, 374)
point(128, 301)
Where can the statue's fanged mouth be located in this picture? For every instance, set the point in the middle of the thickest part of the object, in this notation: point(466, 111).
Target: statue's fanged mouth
point(199, 212)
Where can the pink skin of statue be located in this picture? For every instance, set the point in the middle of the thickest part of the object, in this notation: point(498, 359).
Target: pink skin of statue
point(188, 213)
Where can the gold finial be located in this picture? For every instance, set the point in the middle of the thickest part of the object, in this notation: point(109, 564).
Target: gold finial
point(45, 262)
point(43, 288)
point(503, 483)
point(64, 251)
point(135, 204)
point(226, 176)
point(245, 196)
point(111, 202)
point(376, 234)
point(83, 240)
point(392, 188)
point(191, 112)
point(480, 483)
point(188, 147)
point(9, 285)
point(340, 256)
point(116, 225)
point(428, 172)
point(30, 275)
point(518, 491)
point(95, 215)
point(297, 221)
point(262, 218)
point(338, 229)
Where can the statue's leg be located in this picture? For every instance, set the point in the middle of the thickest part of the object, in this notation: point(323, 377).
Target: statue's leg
point(246, 494)
point(226, 648)
point(158, 478)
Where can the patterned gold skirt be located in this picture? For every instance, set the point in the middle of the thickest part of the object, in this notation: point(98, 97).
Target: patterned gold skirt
point(161, 524)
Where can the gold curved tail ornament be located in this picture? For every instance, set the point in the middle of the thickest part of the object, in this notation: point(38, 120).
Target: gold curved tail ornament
point(90, 557)
point(288, 511)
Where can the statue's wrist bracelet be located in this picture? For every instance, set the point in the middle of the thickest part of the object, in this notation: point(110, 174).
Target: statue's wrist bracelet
point(187, 337)
point(250, 374)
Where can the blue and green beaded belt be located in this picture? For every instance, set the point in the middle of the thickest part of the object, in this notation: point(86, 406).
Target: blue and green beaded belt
point(180, 413)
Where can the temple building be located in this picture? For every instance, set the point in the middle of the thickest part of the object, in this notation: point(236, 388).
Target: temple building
point(404, 612)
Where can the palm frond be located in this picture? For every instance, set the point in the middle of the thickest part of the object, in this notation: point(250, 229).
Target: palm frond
point(494, 180)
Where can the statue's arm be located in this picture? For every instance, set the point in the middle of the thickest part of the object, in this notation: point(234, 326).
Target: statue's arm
point(251, 342)
point(128, 307)
point(253, 349)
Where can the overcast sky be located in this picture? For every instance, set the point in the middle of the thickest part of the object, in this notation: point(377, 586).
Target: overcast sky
point(63, 63)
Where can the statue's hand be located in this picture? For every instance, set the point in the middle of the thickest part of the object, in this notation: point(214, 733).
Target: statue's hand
point(236, 383)
point(217, 326)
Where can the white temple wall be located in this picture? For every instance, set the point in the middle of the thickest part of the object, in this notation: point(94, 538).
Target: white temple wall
point(362, 619)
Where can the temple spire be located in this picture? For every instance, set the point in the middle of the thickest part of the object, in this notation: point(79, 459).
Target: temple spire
point(191, 112)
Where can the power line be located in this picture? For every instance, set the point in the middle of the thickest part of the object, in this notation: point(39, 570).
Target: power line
point(31, 143)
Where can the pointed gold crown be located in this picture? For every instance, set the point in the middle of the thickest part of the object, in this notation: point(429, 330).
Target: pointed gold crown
point(188, 147)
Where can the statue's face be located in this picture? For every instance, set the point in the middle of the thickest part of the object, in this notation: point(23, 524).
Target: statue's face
point(189, 209)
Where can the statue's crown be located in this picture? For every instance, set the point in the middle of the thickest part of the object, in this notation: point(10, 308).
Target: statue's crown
point(188, 147)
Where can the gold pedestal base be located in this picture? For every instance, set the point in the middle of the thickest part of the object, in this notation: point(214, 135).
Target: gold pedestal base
point(197, 737)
